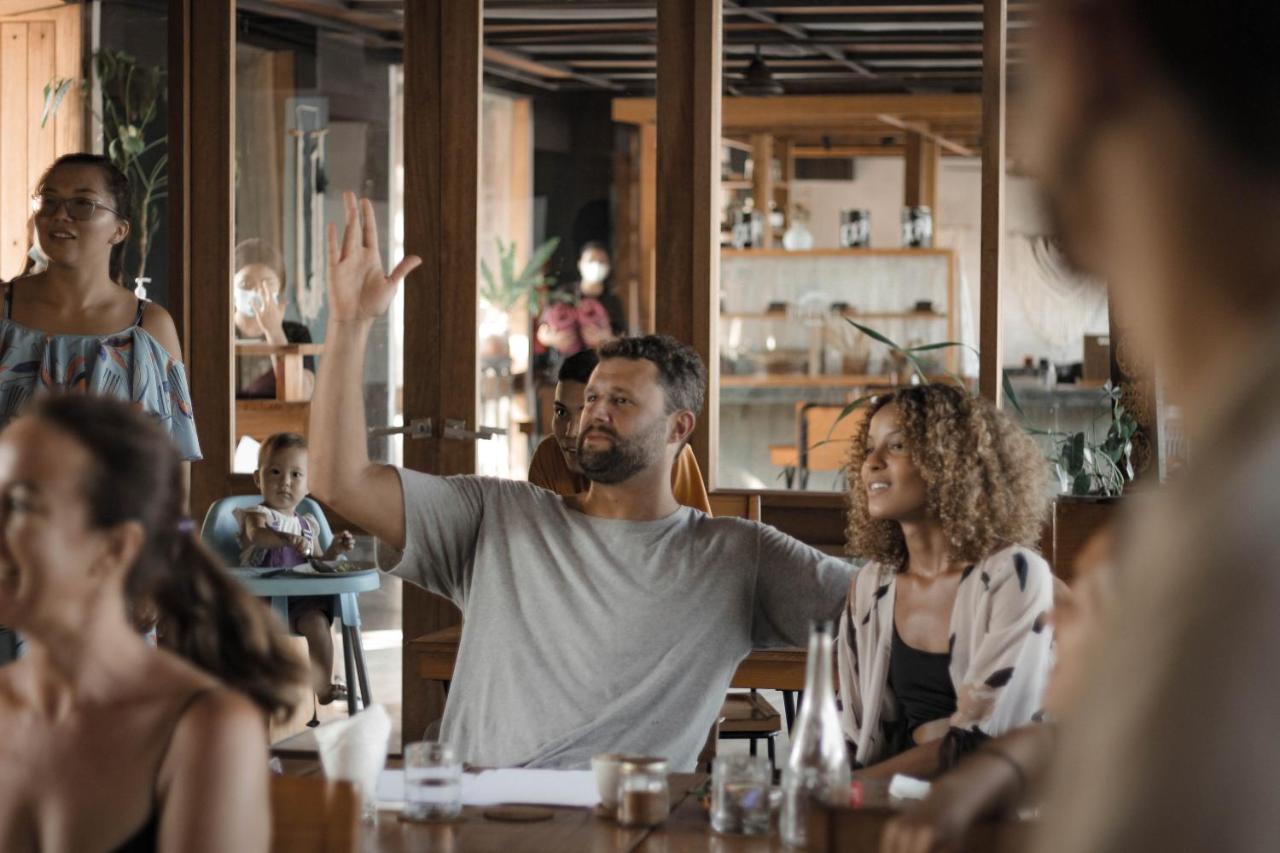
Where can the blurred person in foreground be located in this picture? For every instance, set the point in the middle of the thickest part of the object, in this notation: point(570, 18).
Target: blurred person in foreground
point(1154, 134)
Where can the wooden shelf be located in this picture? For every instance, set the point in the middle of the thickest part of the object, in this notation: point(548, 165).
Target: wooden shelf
point(801, 380)
point(854, 315)
point(746, 185)
point(812, 253)
point(262, 348)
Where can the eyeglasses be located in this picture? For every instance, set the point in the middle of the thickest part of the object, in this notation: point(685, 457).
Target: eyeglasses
point(78, 208)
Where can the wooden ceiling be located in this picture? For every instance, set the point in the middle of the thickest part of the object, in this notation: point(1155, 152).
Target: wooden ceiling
point(810, 46)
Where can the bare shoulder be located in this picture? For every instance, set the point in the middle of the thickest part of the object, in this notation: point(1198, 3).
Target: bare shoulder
point(157, 322)
point(219, 727)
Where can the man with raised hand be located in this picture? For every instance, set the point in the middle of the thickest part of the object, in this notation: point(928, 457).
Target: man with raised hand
point(610, 621)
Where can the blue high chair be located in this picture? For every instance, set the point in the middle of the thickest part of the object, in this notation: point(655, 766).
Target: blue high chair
point(219, 534)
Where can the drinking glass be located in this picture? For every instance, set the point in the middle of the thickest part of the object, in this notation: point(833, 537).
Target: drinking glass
point(740, 794)
point(432, 781)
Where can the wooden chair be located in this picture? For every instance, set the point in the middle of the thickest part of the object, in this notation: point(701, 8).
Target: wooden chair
point(748, 716)
point(313, 815)
point(822, 437)
point(290, 411)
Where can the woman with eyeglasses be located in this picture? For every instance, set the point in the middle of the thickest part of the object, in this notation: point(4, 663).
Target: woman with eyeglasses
point(74, 326)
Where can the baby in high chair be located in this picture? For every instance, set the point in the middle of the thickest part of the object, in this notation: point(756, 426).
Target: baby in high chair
point(275, 534)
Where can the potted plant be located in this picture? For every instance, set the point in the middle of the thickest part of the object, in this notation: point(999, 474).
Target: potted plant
point(131, 98)
point(502, 292)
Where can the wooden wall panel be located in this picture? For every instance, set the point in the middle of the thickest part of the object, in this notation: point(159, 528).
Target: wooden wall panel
point(39, 43)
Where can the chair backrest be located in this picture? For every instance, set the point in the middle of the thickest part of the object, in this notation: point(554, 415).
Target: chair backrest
point(825, 436)
point(220, 528)
point(313, 815)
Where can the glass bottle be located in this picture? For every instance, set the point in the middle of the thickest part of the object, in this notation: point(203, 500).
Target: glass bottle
point(818, 764)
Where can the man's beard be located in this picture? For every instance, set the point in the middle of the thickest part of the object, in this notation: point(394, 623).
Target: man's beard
point(622, 461)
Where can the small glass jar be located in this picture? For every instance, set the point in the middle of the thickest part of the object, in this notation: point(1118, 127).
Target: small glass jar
point(644, 798)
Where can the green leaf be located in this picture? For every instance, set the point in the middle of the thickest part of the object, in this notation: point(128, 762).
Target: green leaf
point(874, 335)
point(54, 92)
point(1082, 484)
point(1010, 394)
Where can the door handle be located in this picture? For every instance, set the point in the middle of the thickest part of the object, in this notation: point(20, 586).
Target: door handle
point(456, 430)
point(417, 428)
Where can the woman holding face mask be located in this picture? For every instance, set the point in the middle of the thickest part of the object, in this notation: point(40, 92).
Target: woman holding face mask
point(594, 316)
point(259, 288)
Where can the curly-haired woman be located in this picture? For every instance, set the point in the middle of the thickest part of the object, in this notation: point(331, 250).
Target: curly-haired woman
point(944, 640)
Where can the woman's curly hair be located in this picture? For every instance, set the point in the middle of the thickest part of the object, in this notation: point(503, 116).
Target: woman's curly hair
point(987, 480)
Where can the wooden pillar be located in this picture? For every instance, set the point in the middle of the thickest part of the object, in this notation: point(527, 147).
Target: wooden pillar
point(441, 185)
point(782, 192)
point(206, 122)
point(762, 182)
point(688, 228)
point(648, 225)
point(921, 183)
point(179, 152)
point(994, 36)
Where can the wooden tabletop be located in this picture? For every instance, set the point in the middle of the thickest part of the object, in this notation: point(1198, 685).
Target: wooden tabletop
point(763, 669)
point(688, 828)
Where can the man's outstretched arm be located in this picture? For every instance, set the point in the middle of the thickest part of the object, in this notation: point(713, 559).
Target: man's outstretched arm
point(342, 475)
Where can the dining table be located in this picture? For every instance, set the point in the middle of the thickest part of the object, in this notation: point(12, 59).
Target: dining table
point(687, 828)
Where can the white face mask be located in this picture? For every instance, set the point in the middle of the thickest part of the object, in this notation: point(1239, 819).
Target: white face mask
point(247, 302)
point(593, 270)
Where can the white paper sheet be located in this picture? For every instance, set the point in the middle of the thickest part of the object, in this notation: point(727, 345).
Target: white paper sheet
point(574, 788)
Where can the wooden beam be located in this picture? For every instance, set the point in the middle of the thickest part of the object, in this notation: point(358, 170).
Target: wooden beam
point(688, 228)
point(543, 68)
point(442, 88)
point(814, 112)
point(762, 183)
point(922, 129)
point(921, 174)
point(995, 22)
point(210, 124)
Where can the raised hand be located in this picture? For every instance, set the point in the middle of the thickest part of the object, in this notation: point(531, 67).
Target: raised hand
point(359, 289)
point(270, 316)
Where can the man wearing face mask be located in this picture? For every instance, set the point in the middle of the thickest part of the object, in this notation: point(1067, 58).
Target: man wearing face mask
point(259, 316)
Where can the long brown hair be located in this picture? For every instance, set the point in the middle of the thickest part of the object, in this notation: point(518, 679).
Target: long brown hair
point(207, 617)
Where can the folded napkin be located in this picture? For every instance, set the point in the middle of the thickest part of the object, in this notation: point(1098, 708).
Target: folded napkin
point(908, 788)
point(355, 749)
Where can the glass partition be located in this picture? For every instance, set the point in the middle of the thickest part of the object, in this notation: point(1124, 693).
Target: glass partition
point(318, 112)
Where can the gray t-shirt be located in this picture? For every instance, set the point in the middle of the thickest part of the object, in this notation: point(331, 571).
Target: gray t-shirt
point(586, 635)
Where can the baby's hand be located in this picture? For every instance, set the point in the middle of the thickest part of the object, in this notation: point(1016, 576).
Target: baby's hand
point(301, 544)
point(342, 542)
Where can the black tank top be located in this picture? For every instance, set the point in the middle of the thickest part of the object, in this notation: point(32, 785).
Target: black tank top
point(921, 681)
